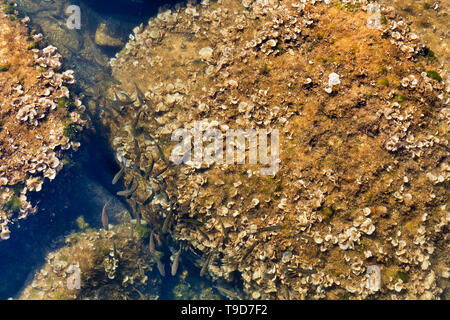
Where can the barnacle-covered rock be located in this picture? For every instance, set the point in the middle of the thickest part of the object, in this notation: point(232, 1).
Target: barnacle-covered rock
point(35, 125)
point(361, 164)
point(112, 264)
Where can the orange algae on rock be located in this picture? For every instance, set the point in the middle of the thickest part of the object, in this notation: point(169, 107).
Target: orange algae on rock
point(363, 167)
point(32, 127)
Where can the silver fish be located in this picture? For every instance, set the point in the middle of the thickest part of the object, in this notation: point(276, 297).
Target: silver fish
point(139, 94)
point(205, 266)
point(176, 262)
point(134, 124)
point(118, 175)
point(249, 250)
point(128, 192)
point(160, 266)
point(269, 228)
point(152, 243)
point(105, 217)
point(125, 102)
point(166, 223)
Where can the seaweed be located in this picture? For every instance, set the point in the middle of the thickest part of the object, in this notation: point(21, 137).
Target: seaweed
point(13, 204)
point(383, 82)
point(434, 75)
point(65, 103)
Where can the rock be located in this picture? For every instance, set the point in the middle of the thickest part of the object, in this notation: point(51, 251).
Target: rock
point(105, 39)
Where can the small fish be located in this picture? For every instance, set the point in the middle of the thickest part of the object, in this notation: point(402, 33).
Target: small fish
point(137, 170)
point(230, 294)
point(140, 96)
point(225, 233)
point(134, 124)
point(149, 169)
point(166, 223)
point(207, 262)
point(302, 271)
point(118, 175)
point(128, 192)
point(114, 250)
point(270, 228)
point(176, 262)
point(306, 237)
point(249, 250)
point(161, 153)
point(203, 233)
point(152, 243)
point(118, 104)
point(134, 211)
point(160, 266)
point(158, 239)
point(137, 150)
point(191, 221)
point(161, 171)
point(105, 217)
point(130, 183)
point(149, 199)
point(125, 102)
point(158, 254)
point(115, 105)
point(141, 295)
point(137, 214)
point(165, 195)
point(128, 99)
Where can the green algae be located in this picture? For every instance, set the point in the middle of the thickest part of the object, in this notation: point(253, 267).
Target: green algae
point(104, 250)
point(66, 104)
point(143, 231)
point(265, 70)
point(429, 54)
point(426, 5)
point(383, 82)
point(434, 75)
point(401, 276)
point(81, 223)
point(71, 129)
point(9, 8)
point(328, 213)
point(61, 296)
point(399, 98)
point(13, 204)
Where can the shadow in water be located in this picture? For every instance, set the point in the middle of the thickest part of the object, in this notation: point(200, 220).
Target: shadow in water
point(129, 8)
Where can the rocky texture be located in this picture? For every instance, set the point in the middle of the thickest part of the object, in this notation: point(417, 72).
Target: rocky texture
point(40, 118)
point(363, 120)
point(103, 37)
point(430, 20)
point(112, 264)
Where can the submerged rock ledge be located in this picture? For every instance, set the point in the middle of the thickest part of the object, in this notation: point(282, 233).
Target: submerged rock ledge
point(363, 121)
